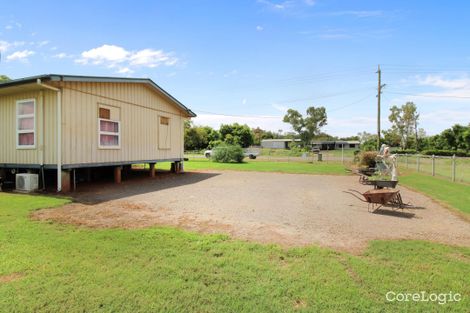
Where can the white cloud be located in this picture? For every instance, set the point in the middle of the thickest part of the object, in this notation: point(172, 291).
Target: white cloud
point(42, 43)
point(438, 81)
point(104, 54)
point(445, 118)
point(125, 70)
point(276, 5)
point(62, 55)
point(244, 101)
point(455, 89)
point(20, 55)
point(280, 108)
point(151, 58)
point(113, 56)
point(13, 25)
point(5, 45)
point(259, 28)
point(287, 6)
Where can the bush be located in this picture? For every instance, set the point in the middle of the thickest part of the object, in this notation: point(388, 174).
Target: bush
point(367, 158)
point(225, 153)
point(404, 151)
point(446, 153)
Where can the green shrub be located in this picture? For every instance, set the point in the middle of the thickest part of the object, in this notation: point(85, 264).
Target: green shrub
point(404, 151)
point(367, 158)
point(446, 153)
point(225, 153)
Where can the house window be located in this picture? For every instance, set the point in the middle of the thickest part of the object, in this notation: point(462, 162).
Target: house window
point(26, 123)
point(109, 131)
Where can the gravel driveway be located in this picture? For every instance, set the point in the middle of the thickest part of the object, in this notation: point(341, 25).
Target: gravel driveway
point(289, 209)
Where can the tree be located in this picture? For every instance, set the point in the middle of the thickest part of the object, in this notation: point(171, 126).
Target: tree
point(309, 126)
point(453, 138)
point(260, 134)
point(4, 78)
point(236, 134)
point(198, 137)
point(391, 138)
point(404, 121)
point(368, 141)
point(466, 139)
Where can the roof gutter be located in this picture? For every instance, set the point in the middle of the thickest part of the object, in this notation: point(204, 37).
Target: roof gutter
point(59, 131)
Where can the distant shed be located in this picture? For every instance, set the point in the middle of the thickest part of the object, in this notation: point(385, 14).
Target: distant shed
point(277, 143)
point(336, 144)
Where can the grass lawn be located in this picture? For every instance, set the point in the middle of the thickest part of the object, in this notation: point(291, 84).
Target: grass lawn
point(456, 195)
point(267, 166)
point(443, 167)
point(47, 267)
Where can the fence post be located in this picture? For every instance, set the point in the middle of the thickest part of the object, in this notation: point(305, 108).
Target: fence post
point(453, 168)
point(433, 165)
point(417, 163)
point(342, 153)
point(406, 158)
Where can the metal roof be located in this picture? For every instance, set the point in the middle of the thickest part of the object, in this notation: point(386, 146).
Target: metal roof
point(95, 79)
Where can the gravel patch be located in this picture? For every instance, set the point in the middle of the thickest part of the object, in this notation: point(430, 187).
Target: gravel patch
point(288, 209)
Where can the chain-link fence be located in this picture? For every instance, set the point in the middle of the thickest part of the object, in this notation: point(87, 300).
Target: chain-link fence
point(454, 168)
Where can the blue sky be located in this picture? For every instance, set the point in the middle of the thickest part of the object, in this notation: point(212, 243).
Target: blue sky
point(248, 61)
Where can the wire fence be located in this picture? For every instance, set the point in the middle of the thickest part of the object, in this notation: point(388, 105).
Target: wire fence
point(453, 168)
point(284, 155)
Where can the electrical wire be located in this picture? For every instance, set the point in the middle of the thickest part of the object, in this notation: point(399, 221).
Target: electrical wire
point(279, 117)
point(427, 96)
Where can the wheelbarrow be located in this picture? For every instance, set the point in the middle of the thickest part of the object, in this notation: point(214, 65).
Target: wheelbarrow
point(377, 198)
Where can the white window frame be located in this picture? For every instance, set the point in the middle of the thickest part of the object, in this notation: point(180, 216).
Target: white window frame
point(25, 131)
point(118, 146)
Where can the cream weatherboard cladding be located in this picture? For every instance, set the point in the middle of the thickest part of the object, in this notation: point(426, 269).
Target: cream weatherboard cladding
point(45, 129)
point(137, 105)
point(139, 112)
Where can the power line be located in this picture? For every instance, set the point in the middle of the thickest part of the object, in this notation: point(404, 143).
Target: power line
point(428, 96)
point(351, 104)
point(278, 117)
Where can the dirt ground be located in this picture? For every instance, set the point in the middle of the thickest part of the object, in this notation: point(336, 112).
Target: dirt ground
point(289, 209)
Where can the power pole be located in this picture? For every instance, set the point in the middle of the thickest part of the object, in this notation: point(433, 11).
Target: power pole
point(379, 92)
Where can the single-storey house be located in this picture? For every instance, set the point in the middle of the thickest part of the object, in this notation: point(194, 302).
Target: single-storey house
point(277, 143)
point(338, 144)
point(61, 123)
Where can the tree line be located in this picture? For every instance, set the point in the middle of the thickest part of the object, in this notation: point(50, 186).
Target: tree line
point(405, 134)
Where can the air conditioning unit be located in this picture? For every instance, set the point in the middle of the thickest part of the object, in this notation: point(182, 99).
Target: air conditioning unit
point(26, 182)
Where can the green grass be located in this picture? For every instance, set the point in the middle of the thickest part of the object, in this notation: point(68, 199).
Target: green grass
point(456, 195)
point(72, 269)
point(443, 166)
point(267, 166)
